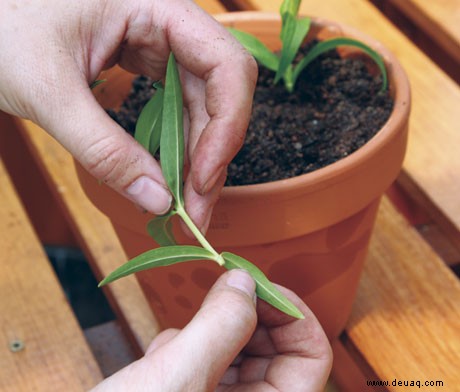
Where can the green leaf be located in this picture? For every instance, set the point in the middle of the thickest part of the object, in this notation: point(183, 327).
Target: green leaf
point(264, 288)
point(333, 43)
point(257, 48)
point(160, 229)
point(172, 133)
point(290, 7)
point(148, 125)
point(293, 33)
point(159, 257)
point(97, 83)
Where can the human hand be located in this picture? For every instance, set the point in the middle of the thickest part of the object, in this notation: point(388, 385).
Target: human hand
point(229, 346)
point(51, 51)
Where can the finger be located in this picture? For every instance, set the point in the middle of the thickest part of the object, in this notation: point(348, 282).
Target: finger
point(220, 329)
point(161, 339)
point(283, 332)
point(223, 136)
point(200, 207)
point(212, 54)
point(54, 93)
point(301, 357)
point(103, 147)
point(195, 101)
point(208, 51)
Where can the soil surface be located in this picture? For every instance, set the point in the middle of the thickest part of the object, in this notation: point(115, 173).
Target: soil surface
point(337, 106)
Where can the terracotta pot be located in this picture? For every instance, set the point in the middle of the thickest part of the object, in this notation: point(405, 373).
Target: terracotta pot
point(308, 233)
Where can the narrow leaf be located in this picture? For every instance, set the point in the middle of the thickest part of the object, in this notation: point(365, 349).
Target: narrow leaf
point(333, 43)
point(159, 257)
point(148, 125)
point(264, 288)
point(290, 7)
point(257, 48)
point(287, 30)
point(295, 31)
point(172, 133)
point(160, 229)
point(97, 83)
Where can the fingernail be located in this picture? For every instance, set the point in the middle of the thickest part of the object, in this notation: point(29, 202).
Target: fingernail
point(241, 280)
point(150, 195)
point(211, 181)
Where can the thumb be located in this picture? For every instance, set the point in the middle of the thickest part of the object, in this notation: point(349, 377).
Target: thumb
point(196, 358)
point(106, 150)
point(218, 332)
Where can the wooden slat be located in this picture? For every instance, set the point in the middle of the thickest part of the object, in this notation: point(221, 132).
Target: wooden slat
point(94, 233)
point(34, 310)
point(406, 317)
point(424, 39)
point(439, 20)
point(432, 164)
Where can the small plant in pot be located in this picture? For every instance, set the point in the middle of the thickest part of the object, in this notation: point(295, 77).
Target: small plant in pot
point(310, 232)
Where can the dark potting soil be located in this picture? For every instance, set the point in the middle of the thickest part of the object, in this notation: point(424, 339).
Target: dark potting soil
point(337, 106)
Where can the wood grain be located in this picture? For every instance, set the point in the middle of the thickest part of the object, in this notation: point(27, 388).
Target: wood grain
point(34, 311)
point(406, 317)
point(439, 19)
point(94, 234)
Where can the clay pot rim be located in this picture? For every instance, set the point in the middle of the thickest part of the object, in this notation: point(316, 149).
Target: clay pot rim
point(323, 177)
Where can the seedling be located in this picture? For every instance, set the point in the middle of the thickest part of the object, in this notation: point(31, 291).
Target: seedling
point(160, 125)
point(293, 32)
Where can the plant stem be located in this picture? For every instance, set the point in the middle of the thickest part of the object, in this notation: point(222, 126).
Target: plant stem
point(199, 235)
point(289, 79)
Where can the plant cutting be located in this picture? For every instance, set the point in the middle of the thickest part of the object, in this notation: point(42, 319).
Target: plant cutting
point(308, 231)
point(160, 125)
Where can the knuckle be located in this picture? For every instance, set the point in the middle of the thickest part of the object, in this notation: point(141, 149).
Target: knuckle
point(109, 160)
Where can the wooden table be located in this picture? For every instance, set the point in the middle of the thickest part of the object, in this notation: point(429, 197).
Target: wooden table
point(433, 25)
point(41, 340)
point(405, 324)
point(438, 19)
